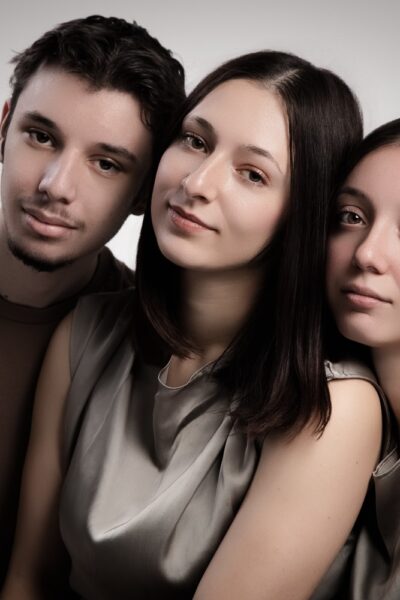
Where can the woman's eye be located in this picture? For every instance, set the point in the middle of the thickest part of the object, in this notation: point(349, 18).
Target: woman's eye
point(349, 217)
point(194, 141)
point(254, 176)
point(40, 137)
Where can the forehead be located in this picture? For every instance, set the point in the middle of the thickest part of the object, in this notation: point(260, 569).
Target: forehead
point(378, 174)
point(108, 115)
point(247, 112)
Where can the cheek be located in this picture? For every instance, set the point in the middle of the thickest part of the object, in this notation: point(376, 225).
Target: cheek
point(162, 182)
point(17, 151)
point(330, 261)
point(100, 228)
point(339, 256)
point(176, 164)
point(104, 205)
point(22, 172)
point(259, 225)
point(170, 173)
point(13, 182)
point(120, 208)
point(170, 168)
point(155, 204)
point(396, 272)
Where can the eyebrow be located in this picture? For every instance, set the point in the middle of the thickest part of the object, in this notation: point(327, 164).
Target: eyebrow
point(262, 152)
point(203, 123)
point(120, 151)
point(37, 117)
point(352, 191)
point(248, 147)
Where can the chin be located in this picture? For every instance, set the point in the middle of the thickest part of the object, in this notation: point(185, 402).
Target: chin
point(367, 335)
point(42, 264)
point(180, 259)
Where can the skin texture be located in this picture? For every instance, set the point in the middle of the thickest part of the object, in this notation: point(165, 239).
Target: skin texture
point(364, 251)
point(214, 173)
point(71, 169)
point(229, 169)
point(293, 520)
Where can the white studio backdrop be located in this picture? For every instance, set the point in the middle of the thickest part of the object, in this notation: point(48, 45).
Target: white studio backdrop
point(357, 39)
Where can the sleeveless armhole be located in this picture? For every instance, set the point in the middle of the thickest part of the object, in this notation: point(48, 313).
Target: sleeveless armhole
point(100, 323)
point(348, 369)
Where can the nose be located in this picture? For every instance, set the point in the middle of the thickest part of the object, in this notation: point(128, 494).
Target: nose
point(60, 179)
point(372, 252)
point(204, 180)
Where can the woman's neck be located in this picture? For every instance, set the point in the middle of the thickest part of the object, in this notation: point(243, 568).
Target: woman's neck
point(215, 306)
point(387, 365)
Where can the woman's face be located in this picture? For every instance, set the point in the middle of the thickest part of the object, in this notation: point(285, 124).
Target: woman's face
point(363, 276)
point(222, 186)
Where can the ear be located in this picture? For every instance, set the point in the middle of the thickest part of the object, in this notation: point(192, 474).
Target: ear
point(4, 123)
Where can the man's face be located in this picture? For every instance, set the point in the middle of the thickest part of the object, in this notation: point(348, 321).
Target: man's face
point(74, 160)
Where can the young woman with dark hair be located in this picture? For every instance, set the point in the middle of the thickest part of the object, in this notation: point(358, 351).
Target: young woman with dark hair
point(226, 474)
point(363, 281)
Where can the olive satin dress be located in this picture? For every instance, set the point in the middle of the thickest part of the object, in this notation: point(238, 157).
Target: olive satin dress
point(154, 474)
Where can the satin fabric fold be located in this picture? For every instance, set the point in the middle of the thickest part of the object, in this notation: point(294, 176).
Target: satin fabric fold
point(154, 475)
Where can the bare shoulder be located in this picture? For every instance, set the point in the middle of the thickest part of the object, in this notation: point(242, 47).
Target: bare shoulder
point(303, 501)
point(355, 390)
point(354, 429)
point(356, 408)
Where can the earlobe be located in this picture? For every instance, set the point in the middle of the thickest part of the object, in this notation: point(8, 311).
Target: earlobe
point(5, 114)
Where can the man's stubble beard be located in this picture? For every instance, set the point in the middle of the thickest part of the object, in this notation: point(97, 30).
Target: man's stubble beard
point(35, 262)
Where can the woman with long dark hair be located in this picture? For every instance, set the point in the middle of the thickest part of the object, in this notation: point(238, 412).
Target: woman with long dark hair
point(190, 440)
point(363, 281)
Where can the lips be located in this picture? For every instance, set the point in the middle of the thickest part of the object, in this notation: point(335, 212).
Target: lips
point(362, 298)
point(47, 226)
point(48, 218)
point(364, 292)
point(186, 220)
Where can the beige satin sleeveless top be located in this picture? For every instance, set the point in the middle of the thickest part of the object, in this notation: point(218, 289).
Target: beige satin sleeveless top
point(375, 571)
point(154, 475)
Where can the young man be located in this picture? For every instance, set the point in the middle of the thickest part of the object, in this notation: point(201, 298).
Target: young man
point(90, 106)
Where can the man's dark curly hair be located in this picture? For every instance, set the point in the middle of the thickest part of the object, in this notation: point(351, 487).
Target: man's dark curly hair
point(110, 53)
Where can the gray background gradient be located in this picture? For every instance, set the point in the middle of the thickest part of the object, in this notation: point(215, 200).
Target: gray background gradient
point(358, 39)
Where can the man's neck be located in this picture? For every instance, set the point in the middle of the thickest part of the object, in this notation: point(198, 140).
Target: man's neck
point(21, 284)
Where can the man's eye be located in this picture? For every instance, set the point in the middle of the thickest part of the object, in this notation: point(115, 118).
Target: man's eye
point(40, 137)
point(108, 166)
